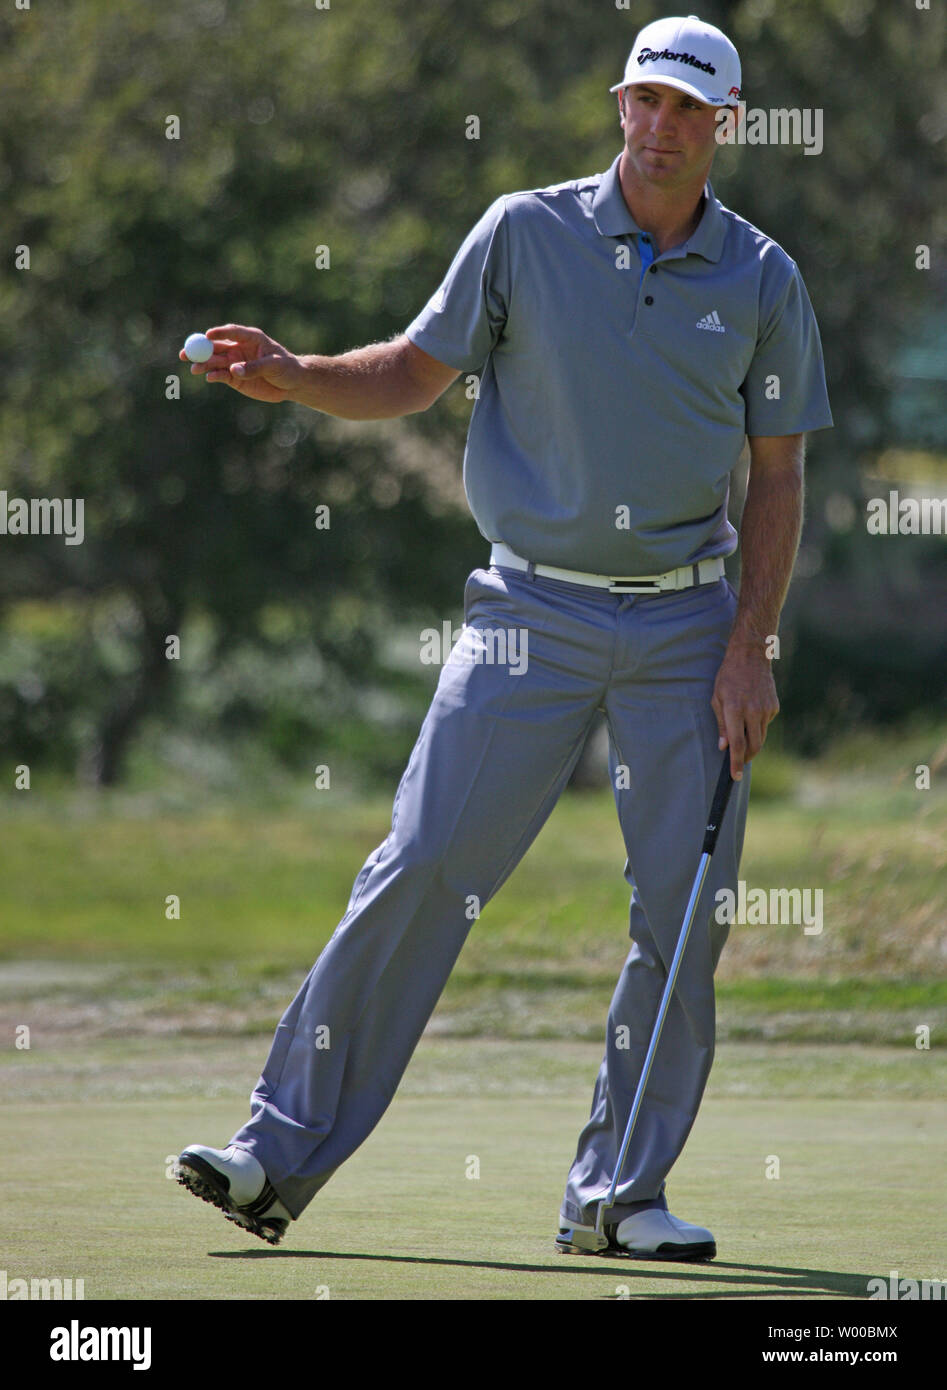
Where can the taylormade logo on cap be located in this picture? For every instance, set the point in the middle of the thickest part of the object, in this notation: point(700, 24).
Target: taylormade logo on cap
point(687, 54)
point(649, 56)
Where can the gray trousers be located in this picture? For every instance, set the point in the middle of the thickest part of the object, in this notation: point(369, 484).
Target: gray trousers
point(495, 751)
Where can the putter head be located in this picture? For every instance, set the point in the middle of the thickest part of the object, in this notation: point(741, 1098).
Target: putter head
point(581, 1240)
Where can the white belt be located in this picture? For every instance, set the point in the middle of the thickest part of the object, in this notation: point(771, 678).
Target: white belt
point(703, 572)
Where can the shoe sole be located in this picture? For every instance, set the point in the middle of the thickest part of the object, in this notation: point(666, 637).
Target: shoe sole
point(685, 1254)
point(203, 1180)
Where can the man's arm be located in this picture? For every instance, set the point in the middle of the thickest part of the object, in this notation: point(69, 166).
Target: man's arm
point(378, 382)
point(744, 698)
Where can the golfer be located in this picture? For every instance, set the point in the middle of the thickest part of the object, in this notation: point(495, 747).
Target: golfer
point(629, 334)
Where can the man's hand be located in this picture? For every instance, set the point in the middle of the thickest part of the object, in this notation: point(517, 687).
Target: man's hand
point(381, 381)
point(252, 363)
point(744, 698)
point(745, 702)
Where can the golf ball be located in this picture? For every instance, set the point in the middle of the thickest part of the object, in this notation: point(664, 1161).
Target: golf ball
point(198, 348)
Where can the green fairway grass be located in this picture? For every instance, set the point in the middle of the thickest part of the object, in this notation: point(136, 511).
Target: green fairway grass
point(262, 886)
point(146, 1033)
point(86, 1194)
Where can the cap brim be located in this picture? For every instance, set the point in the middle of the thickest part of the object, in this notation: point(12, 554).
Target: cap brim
point(677, 82)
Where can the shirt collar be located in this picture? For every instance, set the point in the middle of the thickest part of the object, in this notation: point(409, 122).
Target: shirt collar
point(613, 218)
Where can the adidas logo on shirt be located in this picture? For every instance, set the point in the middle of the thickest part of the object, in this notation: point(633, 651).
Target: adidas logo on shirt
point(712, 323)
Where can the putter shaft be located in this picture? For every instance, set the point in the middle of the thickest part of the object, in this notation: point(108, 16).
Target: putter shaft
point(717, 810)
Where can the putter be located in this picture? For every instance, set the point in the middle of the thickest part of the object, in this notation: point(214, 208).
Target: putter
point(596, 1240)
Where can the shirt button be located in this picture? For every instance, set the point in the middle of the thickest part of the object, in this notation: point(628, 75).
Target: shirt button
point(649, 299)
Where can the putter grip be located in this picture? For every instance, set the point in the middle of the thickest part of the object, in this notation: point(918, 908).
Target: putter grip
point(718, 806)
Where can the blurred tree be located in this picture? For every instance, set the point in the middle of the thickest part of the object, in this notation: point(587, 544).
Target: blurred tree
point(294, 128)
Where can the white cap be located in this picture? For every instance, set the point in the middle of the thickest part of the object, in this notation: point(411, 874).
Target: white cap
point(687, 54)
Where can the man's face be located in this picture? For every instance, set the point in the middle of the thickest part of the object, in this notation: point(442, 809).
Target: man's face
point(670, 137)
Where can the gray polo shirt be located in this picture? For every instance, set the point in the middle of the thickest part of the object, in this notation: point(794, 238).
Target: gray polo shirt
point(615, 395)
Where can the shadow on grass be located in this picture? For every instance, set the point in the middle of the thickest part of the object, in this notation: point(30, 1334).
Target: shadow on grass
point(771, 1280)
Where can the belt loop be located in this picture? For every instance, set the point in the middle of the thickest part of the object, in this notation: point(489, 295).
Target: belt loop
point(531, 570)
point(696, 573)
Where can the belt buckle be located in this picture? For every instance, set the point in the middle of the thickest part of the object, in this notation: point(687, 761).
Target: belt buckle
point(632, 587)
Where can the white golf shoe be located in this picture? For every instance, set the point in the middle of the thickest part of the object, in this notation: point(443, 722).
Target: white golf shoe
point(646, 1235)
point(234, 1181)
